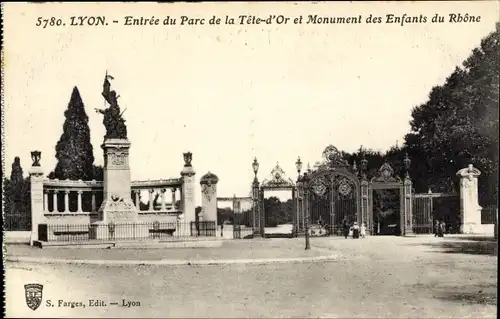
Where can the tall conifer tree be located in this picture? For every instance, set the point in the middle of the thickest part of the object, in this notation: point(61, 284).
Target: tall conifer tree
point(74, 152)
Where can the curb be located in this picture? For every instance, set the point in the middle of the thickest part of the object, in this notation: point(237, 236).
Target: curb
point(167, 262)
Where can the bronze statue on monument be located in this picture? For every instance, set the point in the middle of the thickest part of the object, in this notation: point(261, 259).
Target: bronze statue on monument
point(113, 120)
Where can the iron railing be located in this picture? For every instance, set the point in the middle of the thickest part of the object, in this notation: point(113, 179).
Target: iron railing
point(126, 231)
point(17, 222)
point(489, 215)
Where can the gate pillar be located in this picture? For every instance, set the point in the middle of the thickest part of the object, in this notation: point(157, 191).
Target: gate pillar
point(209, 197)
point(365, 216)
point(470, 211)
point(37, 211)
point(262, 217)
point(295, 219)
point(187, 189)
point(408, 210)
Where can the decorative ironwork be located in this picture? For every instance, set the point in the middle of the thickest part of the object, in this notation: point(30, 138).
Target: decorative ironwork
point(344, 187)
point(168, 231)
point(385, 174)
point(319, 187)
point(333, 156)
point(278, 179)
point(35, 157)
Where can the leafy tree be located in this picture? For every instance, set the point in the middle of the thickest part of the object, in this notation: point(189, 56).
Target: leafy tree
point(458, 125)
point(277, 212)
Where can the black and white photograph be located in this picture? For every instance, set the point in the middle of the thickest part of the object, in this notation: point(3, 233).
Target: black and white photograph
point(250, 159)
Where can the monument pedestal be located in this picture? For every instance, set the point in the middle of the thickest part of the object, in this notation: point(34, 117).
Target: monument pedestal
point(117, 206)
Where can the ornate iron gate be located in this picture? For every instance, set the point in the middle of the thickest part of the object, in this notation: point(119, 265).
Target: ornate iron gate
point(333, 199)
point(334, 194)
point(287, 214)
point(429, 207)
point(422, 214)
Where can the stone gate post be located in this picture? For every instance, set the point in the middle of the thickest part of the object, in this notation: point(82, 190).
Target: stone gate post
point(408, 209)
point(36, 189)
point(208, 184)
point(365, 218)
point(470, 211)
point(187, 191)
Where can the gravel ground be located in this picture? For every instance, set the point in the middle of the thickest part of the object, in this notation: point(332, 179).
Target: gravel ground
point(377, 277)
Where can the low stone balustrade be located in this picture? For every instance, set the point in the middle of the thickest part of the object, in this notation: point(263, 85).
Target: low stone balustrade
point(88, 192)
point(58, 195)
point(160, 188)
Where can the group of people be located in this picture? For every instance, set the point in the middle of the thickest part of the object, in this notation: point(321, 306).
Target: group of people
point(439, 228)
point(360, 231)
point(357, 230)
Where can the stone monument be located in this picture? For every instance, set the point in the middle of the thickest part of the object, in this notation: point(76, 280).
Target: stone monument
point(36, 190)
point(187, 190)
point(470, 211)
point(117, 205)
point(208, 184)
point(187, 196)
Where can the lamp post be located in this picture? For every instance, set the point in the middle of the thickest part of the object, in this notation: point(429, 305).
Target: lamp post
point(355, 168)
point(255, 191)
point(407, 162)
point(255, 167)
point(305, 181)
point(298, 166)
point(364, 167)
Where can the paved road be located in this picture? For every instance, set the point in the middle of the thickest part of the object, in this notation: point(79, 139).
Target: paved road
point(377, 277)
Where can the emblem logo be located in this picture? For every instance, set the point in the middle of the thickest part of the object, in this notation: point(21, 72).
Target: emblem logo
point(33, 294)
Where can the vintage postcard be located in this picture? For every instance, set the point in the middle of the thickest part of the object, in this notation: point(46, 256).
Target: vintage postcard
point(250, 159)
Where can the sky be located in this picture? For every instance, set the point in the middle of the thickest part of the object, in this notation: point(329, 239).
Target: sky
point(228, 93)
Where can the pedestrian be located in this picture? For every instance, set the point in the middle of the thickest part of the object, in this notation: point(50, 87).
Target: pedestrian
point(442, 228)
point(436, 228)
point(355, 230)
point(362, 230)
point(345, 227)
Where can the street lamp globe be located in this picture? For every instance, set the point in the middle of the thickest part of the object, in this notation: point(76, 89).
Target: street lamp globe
point(298, 165)
point(364, 164)
point(407, 162)
point(255, 166)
